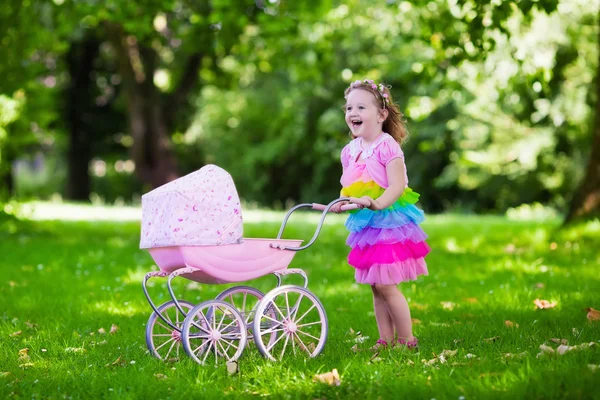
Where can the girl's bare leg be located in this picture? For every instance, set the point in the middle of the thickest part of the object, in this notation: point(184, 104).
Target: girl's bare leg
point(397, 306)
point(383, 317)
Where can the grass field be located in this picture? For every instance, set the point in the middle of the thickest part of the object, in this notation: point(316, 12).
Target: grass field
point(65, 284)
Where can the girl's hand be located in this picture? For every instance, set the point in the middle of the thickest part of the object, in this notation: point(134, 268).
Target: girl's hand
point(373, 204)
point(337, 207)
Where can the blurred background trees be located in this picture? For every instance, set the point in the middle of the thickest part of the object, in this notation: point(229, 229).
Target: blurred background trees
point(103, 101)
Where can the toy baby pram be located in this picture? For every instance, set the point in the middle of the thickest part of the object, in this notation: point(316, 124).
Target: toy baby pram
point(192, 227)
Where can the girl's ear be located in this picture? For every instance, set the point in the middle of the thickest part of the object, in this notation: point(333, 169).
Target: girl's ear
point(383, 114)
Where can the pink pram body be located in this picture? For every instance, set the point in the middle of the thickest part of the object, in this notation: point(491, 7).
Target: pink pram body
point(250, 259)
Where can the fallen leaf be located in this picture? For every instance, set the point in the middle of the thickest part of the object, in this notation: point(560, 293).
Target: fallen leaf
point(447, 305)
point(563, 348)
point(160, 377)
point(430, 362)
point(539, 285)
point(511, 324)
point(4, 374)
point(415, 321)
point(351, 331)
point(15, 334)
point(31, 325)
point(330, 378)
point(472, 300)
point(113, 329)
point(375, 359)
point(544, 304)
point(545, 350)
point(470, 356)
point(358, 339)
point(593, 315)
point(592, 367)
point(118, 362)
point(410, 362)
point(102, 331)
point(311, 347)
point(355, 348)
point(26, 365)
point(449, 353)
point(559, 341)
point(232, 367)
point(492, 339)
point(24, 354)
point(575, 332)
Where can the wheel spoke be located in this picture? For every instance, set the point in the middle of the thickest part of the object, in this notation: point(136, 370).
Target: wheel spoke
point(309, 324)
point(302, 343)
point(243, 310)
point(158, 347)
point(207, 352)
point(274, 343)
point(308, 334)
point(161, 335)
point(287, 338)
point(297, 305)
point(267, 331)
point(170, 348)
point(304, 315)
point(159, 323)
point(279, 311)
point(199, 347)
point(222, 318)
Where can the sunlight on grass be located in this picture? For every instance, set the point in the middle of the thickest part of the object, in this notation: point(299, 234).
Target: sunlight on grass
point(66, 282)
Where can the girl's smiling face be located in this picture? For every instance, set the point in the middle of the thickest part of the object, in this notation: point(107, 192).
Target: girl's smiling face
point(363, 115)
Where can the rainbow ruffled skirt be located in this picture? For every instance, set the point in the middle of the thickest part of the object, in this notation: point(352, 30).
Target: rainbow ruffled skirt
point(388, 246)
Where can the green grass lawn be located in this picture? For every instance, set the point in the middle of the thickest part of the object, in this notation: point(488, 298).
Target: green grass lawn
point(65, 284)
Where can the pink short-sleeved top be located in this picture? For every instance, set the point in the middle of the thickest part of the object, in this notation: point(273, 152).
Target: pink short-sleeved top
point(376, 158)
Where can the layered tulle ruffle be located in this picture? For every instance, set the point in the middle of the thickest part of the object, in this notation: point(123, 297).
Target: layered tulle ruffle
point(388, 246)
point(381, 254)
point(371, 236)
point(407, 270)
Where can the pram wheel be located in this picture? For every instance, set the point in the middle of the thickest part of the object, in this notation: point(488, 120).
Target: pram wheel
point(244, 299)
point(237, 296)
point(214, 328)
point(164, 341)
point(300, 319)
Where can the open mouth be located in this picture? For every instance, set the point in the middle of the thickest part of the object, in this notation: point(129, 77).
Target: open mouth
point(356, 124)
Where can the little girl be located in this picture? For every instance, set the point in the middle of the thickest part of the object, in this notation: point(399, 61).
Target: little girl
point(388, 246)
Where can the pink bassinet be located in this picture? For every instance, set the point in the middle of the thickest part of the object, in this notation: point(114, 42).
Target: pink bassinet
point(196, 222)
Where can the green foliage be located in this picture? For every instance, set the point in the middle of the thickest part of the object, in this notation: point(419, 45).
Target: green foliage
point(496, 93)
point(64, 281)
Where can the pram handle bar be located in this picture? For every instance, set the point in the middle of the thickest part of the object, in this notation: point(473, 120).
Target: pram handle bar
point(325, 210)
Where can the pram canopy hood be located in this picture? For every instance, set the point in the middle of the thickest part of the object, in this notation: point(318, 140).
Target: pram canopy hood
point(199, 209)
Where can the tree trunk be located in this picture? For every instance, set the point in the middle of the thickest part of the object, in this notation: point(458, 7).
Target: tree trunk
point(586, 202)
point(155, 163)
point(79, 108)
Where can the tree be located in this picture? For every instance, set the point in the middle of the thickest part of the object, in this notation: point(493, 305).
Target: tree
point(586, 201)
